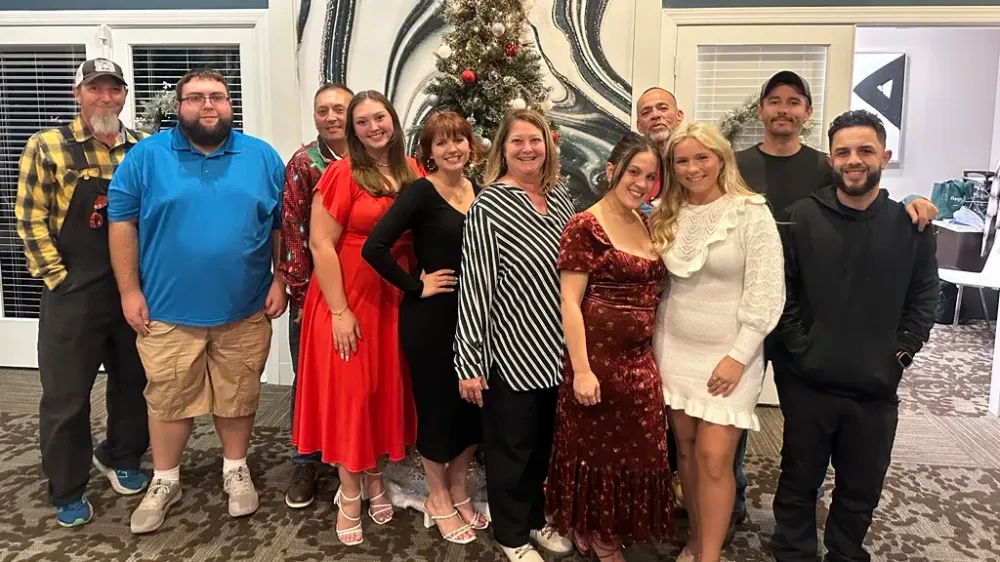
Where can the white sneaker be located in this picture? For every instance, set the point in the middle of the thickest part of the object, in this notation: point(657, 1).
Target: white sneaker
point(152, 510)
point(243, 498)
point(523, 553)
point(548, 538)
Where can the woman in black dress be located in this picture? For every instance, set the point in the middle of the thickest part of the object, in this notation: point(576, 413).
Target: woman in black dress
point(433, 208)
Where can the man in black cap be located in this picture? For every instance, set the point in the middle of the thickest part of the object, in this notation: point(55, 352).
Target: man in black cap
point(784, 170)
point(61, 217)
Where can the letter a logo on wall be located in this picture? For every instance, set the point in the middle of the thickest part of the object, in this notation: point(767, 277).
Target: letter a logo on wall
point(883, 90)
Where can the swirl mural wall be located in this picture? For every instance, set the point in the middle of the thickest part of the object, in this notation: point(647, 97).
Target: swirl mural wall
point(389, 45)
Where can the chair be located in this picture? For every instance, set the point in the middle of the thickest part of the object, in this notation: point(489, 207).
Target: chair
point(988, 278)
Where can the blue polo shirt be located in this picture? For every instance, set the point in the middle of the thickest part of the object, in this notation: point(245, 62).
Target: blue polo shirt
point(204, 222)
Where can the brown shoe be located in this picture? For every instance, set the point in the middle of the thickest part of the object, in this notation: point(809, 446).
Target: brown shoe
point(301, 486)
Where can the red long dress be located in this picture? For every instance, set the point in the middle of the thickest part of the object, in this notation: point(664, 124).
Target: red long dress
point(609, 476)
point(353, 412)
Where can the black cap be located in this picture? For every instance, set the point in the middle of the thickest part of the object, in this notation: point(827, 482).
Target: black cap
point(98, 67)
point(789, 78)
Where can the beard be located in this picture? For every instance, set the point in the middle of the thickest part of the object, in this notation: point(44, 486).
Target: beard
point(206, 136)
point(872, 179)
point(660, 136)
point(104, 122)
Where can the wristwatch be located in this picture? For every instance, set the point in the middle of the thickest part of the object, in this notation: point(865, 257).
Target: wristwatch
point(904, 359)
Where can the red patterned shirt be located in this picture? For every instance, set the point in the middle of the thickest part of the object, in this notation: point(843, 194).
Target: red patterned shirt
point(301, 174)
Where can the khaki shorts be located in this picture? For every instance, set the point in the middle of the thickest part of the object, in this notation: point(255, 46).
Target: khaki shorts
point(193, 371)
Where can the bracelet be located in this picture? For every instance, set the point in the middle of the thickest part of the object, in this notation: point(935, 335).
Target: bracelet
point(340, 312)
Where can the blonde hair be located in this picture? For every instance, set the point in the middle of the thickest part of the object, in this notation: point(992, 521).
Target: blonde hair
point(496, 160)
point(663, 220)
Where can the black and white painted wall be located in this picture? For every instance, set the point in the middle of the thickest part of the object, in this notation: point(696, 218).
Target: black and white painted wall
point(389, 45)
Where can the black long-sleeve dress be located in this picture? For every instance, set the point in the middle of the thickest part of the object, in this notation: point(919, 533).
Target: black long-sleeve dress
point(446, 424)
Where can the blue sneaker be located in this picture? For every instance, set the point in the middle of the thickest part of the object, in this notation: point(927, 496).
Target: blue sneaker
point(125, 482)
point(74, 514)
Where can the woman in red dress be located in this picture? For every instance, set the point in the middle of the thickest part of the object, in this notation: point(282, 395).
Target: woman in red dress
point(354, 403)
point(609, 478)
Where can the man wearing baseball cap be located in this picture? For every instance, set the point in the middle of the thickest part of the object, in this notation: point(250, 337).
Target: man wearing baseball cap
point(61, 217)
point(784, 170)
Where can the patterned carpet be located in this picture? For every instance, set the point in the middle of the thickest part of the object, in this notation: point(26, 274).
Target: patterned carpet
point(941, 502)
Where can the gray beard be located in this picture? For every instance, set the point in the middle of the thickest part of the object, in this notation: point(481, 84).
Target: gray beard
point(104, 123)
point(660, 137)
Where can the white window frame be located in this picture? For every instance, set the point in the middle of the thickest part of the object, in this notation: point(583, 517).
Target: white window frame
point(107, 32)
point(123, 40)
point(19, 336)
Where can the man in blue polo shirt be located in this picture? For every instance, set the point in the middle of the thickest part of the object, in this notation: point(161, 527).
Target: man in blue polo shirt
point(195, 215)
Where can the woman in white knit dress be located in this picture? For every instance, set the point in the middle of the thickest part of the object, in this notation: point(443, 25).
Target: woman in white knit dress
point(725, 294)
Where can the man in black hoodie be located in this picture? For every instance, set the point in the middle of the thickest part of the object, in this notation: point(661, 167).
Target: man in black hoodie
point(861, 284)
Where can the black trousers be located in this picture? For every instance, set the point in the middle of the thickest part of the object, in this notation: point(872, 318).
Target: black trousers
point(517, 440)
point(77, 332)
point(858, 437)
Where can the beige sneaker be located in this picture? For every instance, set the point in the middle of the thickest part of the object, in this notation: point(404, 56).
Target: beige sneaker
point(548, 538)
point(243, 498)
point(523, 553)
point(152, 510)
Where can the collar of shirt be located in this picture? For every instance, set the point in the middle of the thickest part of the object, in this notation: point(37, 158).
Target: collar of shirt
point(232, 145)
point(325, 151)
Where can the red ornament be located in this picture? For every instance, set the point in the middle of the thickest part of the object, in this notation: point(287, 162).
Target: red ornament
point(468, 76)
point(510, 50)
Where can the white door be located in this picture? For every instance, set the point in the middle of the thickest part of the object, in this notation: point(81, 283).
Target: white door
point(155, 59)
point(720, 68)
point(37, 66)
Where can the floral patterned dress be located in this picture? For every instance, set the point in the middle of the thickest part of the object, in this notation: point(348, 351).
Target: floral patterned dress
point(609, 477)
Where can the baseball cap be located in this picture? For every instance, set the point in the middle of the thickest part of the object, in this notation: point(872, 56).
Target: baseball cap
point(789, 78)
point(98, 67)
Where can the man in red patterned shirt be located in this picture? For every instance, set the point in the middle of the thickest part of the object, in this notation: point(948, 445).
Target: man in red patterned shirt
point(301, 174)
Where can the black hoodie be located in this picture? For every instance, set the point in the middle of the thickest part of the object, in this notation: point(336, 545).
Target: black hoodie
point(861, 286)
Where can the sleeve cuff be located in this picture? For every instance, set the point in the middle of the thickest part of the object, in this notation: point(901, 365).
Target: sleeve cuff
point(748, 343)
point(55, 279)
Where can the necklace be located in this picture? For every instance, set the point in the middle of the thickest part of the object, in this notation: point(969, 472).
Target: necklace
point(381, 165)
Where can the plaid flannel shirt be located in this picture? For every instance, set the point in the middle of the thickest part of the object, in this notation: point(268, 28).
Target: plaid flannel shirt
point(46, 182)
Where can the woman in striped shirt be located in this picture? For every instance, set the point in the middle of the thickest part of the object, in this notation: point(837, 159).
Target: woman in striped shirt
point(509, 343)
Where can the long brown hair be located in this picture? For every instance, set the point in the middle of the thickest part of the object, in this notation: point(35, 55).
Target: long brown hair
point(663, 220)
point(496, 159)
point(363, 168)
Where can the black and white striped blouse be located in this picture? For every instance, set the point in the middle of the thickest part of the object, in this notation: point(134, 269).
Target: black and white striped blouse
point(509, 312)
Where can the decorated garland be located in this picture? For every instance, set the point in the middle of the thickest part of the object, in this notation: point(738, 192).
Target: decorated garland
point(739, 118)
point(154, 110)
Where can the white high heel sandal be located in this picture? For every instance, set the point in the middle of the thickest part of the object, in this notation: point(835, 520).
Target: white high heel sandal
point(381, 509)
point(337, 499)
point(452, 537)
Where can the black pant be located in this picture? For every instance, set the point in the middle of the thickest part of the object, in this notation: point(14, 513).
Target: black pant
point(858, 437)
point(78, 331)
point(517, 440)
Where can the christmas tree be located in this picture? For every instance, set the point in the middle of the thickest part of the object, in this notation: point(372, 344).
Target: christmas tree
point(487, 64)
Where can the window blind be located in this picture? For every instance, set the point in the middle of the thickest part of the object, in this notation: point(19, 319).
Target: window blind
point(36, 92)
point(157, 68)
point(728, 74)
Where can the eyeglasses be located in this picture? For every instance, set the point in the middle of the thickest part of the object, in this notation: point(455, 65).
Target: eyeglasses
point(199, 99)
point(96, 218)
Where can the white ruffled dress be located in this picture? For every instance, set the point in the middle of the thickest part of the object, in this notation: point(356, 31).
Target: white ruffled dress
point(726, 293)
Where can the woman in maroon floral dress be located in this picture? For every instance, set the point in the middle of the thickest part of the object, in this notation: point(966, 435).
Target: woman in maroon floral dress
point(609, 478)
